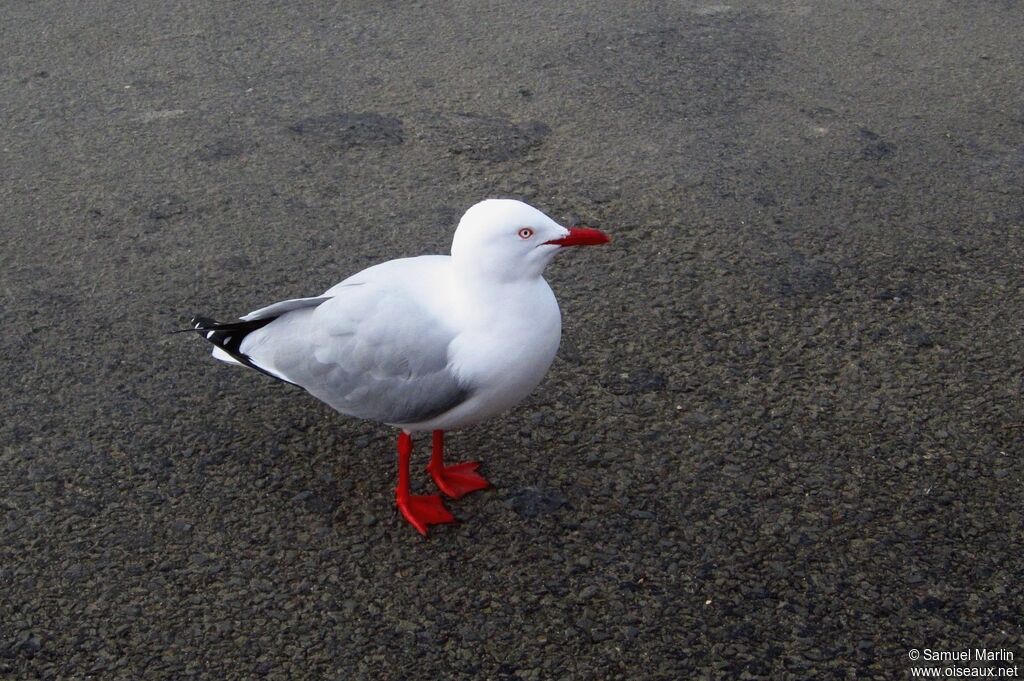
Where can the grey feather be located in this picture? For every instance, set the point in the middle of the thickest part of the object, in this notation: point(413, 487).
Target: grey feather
point(278, 309)
point(367, 350)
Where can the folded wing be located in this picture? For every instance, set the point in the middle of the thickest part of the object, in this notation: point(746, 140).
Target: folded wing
point(367, 349)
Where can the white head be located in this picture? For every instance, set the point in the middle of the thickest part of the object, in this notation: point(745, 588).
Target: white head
point(507, 239)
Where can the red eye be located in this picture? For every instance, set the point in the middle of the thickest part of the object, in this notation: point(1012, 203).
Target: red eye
point(525, 233)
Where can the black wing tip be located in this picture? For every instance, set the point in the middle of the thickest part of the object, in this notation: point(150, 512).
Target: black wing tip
point(228, 337)
point(197, 324)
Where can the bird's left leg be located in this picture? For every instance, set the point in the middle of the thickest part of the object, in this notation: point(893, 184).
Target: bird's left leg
point(420, 511)
point(456, 480)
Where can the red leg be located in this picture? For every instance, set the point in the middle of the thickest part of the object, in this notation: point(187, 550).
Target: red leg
point(420, 511)
point(458, 479)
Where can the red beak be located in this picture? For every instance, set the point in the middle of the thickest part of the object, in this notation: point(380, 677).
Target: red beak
point(581, 236)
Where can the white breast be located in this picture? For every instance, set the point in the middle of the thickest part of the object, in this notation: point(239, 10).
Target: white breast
point(508, 338)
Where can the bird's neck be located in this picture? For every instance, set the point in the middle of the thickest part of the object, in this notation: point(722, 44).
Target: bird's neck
point(481, 294)
point(492, 280)
point(486, 267)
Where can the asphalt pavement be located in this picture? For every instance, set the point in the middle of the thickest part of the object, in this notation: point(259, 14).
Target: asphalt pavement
point(783, 436)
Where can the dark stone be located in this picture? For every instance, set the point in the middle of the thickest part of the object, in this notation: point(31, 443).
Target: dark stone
point(225, 149)
point(74, 572)
point(347, 130)
point(531, 502)
point(181, 527)
point(167, 206)
point(917, 337)
point(29, 644)
point(636, 382)
point(804, 277)
point(878, 151)
point(485, 138)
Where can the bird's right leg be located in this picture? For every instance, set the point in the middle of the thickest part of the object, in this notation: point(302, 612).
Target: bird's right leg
point(420, 511)
point(455, 480)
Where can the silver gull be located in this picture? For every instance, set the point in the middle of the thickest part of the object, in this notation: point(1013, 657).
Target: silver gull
point(430, 343)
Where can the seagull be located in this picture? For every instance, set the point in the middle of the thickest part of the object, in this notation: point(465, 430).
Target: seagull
point(429, 343)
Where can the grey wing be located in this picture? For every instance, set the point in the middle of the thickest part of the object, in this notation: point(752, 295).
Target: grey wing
point(367, 352)
point(278, 309)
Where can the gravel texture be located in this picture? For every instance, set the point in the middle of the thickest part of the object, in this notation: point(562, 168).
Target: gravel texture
point(783, 436)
